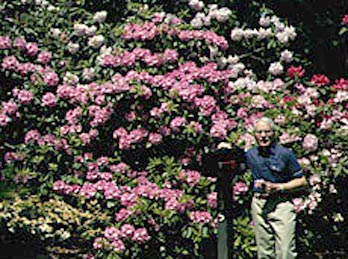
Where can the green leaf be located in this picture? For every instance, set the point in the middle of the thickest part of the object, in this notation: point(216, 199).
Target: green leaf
point(343, 30)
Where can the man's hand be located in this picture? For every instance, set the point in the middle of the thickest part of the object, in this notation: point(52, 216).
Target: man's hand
point(273, 187)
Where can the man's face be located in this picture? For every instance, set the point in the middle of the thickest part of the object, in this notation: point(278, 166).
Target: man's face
point(263, 134)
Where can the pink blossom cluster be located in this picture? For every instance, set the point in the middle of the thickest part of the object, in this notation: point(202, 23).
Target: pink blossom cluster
point(145, 31)
point(240, 188)
point(221, 125)
point(5, 42)
point(49, 99)
point(177, 123)
point(128, 58)
point(31, 48)
point(310, 142)
point(188, 92)
point(286, 138)
point(99, 115)
point(212, 200)
point(12, 63)
point(123, 214)
point(172, 200)
point(192, 177)
point(259, 102)
point(115, 237)
point(209, 36)
point(23, 96)
point(312, 201)
point(125, 139)
point(147, 189)
point(200, 217)
point(11, 157)
point(61, 187)
point(148, 31)
point(7, 109)
point(206, 105)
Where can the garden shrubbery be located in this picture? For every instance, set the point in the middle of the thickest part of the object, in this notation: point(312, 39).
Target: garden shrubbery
point(104, 121)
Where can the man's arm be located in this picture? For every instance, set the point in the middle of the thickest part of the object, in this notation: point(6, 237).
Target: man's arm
point(292, 185)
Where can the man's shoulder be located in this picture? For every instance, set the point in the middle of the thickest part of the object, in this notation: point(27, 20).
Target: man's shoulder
point(283, 150)
point(251, 151)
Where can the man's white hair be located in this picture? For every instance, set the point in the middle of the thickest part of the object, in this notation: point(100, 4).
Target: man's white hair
point(266, 120)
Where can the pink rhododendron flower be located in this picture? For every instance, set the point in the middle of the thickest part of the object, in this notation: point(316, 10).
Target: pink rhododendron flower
point(200, 216)
point(9, 107)
point(123, 214)
point(10, 63)
point(44, 57)
point(118, 245)
point(127, 230)
point(212, 200)
point(310, 142)
point(177, 122)
point(51, 78)
point(88, 190)
point(314, 179)
point(112, 233)
point(49, 99)
point(32, 49)
point(299, 204)
point(141, 235)
point(4, 119)
point(155, 138)
point(32, 136)
point(5, 42)
point(19, 43)
point(239, 188)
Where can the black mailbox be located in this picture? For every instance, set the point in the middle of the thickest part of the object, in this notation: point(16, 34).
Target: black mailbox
point(224, 164)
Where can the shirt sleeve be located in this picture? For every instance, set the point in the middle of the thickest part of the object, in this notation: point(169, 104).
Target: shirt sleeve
point(294, 168)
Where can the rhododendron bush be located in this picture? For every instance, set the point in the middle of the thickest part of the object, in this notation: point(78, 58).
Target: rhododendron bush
point(104, 123)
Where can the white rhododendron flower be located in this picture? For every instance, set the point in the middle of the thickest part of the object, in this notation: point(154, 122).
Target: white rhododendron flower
point(90, 31)
point(196, 23)
point(96, 41)
point(237, 34)
point(73, 48)
point(265, 21)
point(286, 56)
point(80, 29)
point(100, 17)
point(196, 5)
point(264, 33)
point(223, 14)
point(276, 68)
point(55, 32)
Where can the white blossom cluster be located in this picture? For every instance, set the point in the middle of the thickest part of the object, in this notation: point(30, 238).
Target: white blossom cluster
point(269, 27)
point(214, 13)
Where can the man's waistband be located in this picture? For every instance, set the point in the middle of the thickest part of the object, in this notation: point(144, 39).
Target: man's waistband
point(275, 195)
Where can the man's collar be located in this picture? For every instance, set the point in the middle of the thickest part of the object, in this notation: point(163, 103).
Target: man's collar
point(266, 151)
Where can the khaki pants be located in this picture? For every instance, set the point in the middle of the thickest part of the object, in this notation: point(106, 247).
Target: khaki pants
point(274, 226)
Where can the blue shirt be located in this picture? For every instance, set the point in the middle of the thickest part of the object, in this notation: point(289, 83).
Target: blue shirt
point(277, 164)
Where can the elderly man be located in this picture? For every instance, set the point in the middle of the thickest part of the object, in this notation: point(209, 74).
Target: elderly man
point(276, 175)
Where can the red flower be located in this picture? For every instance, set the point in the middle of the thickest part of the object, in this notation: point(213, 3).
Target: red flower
point(288, 99)
point(340, 84)
point(320, 80)
point(345, 19)
point(295, 72)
